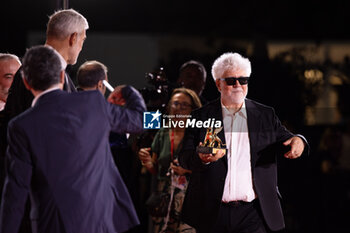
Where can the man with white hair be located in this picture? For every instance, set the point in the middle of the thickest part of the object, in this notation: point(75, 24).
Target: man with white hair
point(66, 33)
point(237, 191)
point(9, 64)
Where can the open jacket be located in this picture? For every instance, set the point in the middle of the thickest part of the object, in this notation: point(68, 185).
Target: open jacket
point(205, 190)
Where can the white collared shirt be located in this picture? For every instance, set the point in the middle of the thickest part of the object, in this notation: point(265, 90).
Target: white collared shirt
point(238, 183)
point(2, 105)
point(44, 92)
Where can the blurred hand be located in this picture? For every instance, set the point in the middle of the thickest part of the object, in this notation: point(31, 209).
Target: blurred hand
point(208, 158)
point(296, 147)
point(116, 96)
point(144, 155)
point(178, 169)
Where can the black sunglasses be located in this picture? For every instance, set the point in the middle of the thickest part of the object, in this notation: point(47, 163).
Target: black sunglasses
point(232, 80)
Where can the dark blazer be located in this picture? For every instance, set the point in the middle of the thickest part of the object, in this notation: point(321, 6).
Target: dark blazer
point(59, 154)
point(205, 190)
point(19, 100)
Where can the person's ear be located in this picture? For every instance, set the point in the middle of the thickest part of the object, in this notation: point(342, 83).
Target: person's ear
point(62, 79)
point(73, 38)
point(26, 84)
point(62, 76)
point(100, 85)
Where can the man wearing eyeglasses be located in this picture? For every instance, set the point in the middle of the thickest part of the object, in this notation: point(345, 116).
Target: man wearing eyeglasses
point(237, 191)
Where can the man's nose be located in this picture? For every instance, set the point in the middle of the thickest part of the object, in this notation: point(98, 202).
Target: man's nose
point(237, 84)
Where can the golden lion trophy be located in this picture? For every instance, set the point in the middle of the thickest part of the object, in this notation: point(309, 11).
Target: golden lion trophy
point(212, 143)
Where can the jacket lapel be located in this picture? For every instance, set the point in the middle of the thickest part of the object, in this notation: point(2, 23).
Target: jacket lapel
point(216, 112)
point(47, 97)
point(68, 84)
point(254, 126)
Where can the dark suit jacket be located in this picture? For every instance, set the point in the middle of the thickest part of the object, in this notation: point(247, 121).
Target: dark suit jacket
point(59, 153)
point(19, 100)
point(205, 190)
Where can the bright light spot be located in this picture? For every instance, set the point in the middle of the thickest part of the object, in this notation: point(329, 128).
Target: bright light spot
point(313, 75)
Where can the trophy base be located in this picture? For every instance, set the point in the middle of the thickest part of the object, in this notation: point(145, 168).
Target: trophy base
point(209, 150)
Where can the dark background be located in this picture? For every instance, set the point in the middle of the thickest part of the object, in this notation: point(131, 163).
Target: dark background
point(246, 20)
point(315, 199)
point(283, 20)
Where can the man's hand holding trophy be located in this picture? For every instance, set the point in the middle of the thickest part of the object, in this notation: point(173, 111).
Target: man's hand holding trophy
point(212, 149)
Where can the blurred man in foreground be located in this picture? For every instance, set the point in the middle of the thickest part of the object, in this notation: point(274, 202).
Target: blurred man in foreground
point(59, 154)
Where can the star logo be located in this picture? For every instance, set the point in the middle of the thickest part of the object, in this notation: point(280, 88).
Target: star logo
point(156, 116)
point(151, 120)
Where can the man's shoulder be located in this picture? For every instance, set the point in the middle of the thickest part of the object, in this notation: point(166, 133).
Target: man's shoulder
point(257, 105)
point(23, 119)
point(58, 102)
point(84, 97)
point(59, 98)
point(84, 94)
point(215, 104)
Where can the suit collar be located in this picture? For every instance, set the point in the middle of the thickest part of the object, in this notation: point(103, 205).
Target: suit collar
point(44, 97)
point(43, 93)
point(252, 114)
point(254, 126)
point(228, 112)
point(253, 121)
point(215, 111)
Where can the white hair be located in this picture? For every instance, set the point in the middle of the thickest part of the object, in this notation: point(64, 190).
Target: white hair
point(9, 56)
point(230, 61)
point(63, 23)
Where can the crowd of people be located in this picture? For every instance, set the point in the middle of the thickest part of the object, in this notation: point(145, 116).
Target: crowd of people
point(58, 146)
